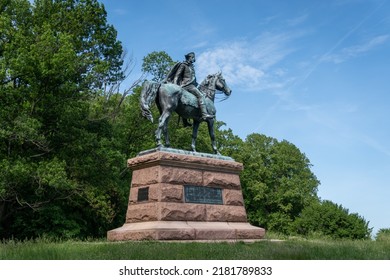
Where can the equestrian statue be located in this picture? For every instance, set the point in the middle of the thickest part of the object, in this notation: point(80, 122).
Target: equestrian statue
point(180, 93)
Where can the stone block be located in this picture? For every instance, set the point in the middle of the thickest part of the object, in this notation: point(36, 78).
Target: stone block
point(171, 193)
point(247, 231)
point(142, 212)
point(145, 176)
point(223, 180)
point(212, 230)
point(133, 195)
point(233, 197)
point(182, 212)
point(175, 175)
point(153, 194)
point(225, 213)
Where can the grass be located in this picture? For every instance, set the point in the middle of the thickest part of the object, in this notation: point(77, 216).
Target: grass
point(297, 249)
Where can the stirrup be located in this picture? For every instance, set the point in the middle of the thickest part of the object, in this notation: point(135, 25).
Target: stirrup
point(207, 116)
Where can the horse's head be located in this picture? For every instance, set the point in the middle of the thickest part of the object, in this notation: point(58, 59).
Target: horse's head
point(215, 82)
point(220, 84)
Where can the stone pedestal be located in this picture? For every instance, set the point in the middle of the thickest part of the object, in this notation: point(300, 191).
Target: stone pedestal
point(179, 195)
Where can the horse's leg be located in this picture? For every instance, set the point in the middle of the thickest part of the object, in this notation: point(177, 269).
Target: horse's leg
point(166, 105)
point(195, 128)
point(210, 125)
point(165, 131)
point(162, 127)
point(158, 134)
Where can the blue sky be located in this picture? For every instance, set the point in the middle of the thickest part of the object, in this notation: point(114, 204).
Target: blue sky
point(315, 73)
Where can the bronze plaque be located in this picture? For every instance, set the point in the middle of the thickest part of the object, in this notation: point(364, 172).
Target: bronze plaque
point(204, 195)
point(143, 194)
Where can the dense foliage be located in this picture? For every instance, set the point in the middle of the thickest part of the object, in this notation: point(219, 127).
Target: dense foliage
point(329, 219)
point(277, 182)
point(64, 139)
point(383, 235)
point(60, 166)
point(157, 64)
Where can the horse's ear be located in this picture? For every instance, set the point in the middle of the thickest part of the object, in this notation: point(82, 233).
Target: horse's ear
point(219, 73)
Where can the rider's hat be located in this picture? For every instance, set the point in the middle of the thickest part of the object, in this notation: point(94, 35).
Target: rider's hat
point(188, 54)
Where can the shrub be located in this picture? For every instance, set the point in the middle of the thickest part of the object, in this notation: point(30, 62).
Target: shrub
point(332, 220)
point(383, 235)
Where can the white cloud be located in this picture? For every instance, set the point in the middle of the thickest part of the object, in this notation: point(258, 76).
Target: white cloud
point(356, 50)
point(248, 64)
point(374, 42)
point(233, 63)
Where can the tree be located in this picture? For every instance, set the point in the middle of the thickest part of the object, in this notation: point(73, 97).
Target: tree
point(383, 235)
point(277, 182)
point(131, 129)
point(157, 64)
point(59, 168)
point(228, 143)
point(332, 220)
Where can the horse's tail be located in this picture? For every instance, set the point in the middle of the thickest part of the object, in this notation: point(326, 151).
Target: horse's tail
point(148, 95)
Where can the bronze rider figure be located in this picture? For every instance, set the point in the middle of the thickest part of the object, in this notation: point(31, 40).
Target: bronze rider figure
point(183, 74)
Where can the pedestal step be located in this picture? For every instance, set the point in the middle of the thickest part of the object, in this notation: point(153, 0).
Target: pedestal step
point(177, 230)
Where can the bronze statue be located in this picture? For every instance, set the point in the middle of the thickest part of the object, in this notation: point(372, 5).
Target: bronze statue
point(179, 93)
point(183, 74)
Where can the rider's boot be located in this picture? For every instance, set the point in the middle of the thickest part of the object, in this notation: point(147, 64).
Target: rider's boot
point(203, 110)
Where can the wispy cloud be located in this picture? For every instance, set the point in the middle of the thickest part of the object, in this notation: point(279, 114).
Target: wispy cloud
point(232, 61)
point(332, 52)
point(356, 50)
point(375, 145)
point(250, 64)
point(297, 20)
point(120, 12)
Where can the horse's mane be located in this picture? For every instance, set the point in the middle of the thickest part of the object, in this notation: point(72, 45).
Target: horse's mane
point(206, 82)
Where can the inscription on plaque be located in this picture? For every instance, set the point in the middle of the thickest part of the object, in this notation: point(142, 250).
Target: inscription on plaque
point(200, 194)
point(143, 194)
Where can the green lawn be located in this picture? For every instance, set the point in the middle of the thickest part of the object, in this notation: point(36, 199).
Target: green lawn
point(154, 250)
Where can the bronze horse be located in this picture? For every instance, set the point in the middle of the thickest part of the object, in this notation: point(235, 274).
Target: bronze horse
point(172, 98)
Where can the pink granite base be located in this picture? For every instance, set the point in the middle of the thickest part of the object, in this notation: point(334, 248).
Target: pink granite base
point(181, 230)
point(165, 215)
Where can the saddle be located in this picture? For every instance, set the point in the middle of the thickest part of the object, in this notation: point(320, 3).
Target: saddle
point(188, 98)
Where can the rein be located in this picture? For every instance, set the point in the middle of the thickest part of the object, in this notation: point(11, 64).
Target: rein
point(208, 90)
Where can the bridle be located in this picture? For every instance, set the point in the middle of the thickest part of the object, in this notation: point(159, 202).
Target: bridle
point(212, 81)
